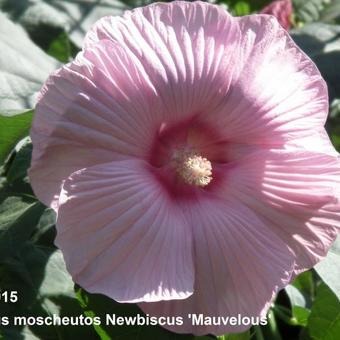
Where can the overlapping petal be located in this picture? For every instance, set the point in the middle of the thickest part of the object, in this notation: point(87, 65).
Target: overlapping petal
point(246, 73)
point(122, 236)
point(275, 215)
point(187, 49)
point(277, 93)
point(297, 195)
point(96, 109)
point(240, 263)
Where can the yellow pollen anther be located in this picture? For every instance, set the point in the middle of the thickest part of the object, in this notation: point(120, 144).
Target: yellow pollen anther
point(194, 169)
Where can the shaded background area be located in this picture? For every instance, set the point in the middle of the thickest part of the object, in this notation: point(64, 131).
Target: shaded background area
point(36, 37)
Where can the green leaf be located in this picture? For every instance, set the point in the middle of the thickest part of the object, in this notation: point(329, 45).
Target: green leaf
point(45, 231)
point(295, 296)
point(242, 8)
point(60, 48)
point(331, 11)
point(308, 11)
point(23, 67)
point(324, 320)
point(333, 123)
point(305, 284)
point(15, 334)
point(300, 315)
point(298, 302)
point(335, 109)
point(252, 5)
point(322, 43)
point(13, 127)
point(335, 138)
point(19, 166)
point(75, 17)
point(238, 336)
point(329, 268)
point(44, 288)
point(19, 216)
point(97, 305)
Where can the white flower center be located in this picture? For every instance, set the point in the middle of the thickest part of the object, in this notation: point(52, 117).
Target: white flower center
point(194, 169)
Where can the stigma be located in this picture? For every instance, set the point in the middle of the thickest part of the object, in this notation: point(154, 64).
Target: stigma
point(194, 169)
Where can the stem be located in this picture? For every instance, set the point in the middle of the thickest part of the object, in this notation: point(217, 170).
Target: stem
point(285, 315)
point(258, 333)
point(271, 330)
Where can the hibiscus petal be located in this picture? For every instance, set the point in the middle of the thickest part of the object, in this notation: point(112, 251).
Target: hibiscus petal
point(297, 194)
point(93, 110)
point(277, 93)
point(223, 69)
point(281, 209)
point(317, 142)
point(228, 281)
point(122, 236)
point(185, 48)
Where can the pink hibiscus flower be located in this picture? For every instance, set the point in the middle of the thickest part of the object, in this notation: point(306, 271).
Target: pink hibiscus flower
point(282, 10)
point(184, 151)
